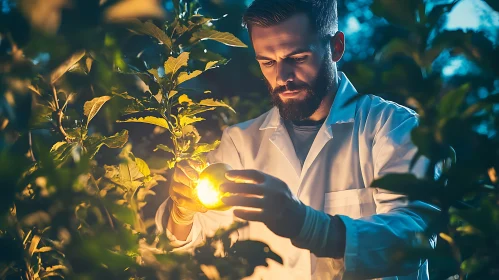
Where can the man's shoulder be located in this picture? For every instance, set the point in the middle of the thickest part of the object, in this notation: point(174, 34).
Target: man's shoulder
point(377, 108)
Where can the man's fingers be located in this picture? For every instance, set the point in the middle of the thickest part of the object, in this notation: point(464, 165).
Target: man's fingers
point(198, 166)
point(249, 215)
point(245, 176)
point(244, 201)
point(188, 170)
point(187, 203)
point(182, 189)
point(242, 188)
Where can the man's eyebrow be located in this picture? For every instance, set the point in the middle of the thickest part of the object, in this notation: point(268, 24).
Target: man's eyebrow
point(297, 51)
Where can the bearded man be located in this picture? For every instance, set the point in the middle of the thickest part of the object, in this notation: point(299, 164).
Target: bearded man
point(303, 170)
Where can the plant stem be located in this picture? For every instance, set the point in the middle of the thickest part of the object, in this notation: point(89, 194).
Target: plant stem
point(60, 114)
point(30, 140)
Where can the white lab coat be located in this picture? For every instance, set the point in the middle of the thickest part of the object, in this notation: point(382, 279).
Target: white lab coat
point(356, 144)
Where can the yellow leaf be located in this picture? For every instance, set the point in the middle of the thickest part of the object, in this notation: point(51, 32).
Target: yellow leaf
point(150, 120)
point(210, 64)
point(210, 271)
point(172, 65)
point(55, 267)
point(188, 120)
point(172, 93)
point(222, 37)
point(210, 102)
point(492, 175)
point(131, 9)
point(34, 243)
point(204, 147)
point(65, 66)
point(143, 168)
point(164, 148)
point(43, 249)
point(184, 76)
point(158, 97)
point(184, 99)
point(92, 107)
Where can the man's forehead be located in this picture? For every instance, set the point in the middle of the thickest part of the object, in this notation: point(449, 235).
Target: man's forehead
point(289, 34)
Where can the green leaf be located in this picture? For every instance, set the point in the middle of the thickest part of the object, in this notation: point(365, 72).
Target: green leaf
point(92, 107)
point(65, 66)
point(164, 148)
point(185, 120)
point(149, 28)
point(399, 46)
point(204, 148)
point(93, 143)
point(197, 20)
point(452, 101)
point(222, 37)
point(62, 151)
point(41, 116)
point(184, 76)
point(195, 109)
point(210, 102)
point(172, 65)
point(149, 119)
point(252, 253)
point(410, 185)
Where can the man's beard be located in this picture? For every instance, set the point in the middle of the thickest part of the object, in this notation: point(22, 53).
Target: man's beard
point(297, 110)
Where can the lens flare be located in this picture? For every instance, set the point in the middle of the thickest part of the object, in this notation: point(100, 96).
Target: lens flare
point(208, 194)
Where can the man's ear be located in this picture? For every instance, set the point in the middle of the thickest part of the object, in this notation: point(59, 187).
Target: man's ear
point(337, 42)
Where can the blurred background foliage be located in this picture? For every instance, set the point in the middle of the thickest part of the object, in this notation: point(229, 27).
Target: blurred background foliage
point(84, 83)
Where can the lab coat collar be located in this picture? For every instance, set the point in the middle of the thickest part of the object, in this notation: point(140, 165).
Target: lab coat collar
point(340, 111)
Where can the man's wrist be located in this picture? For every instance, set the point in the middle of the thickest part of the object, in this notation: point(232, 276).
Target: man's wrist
point(336, 240)
point(322, 234)
point(181, 216)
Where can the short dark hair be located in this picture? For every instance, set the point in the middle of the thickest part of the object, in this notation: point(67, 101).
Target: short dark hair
point(323, 14)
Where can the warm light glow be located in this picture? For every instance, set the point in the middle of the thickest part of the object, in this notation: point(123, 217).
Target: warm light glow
point(208, 194)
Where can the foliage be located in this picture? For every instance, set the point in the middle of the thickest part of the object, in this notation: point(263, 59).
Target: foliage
point(73, 192)
point(457, 131)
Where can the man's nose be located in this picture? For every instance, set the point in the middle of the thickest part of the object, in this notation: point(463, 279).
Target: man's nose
point(285, 73)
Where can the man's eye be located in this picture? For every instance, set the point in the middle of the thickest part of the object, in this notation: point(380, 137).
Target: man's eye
point(299, 59)
point(268, 63)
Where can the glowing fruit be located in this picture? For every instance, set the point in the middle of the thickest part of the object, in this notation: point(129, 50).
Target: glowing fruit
point(208, 188)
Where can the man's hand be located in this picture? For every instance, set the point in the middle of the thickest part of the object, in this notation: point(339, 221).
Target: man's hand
point(269, 198)
point(182, 193)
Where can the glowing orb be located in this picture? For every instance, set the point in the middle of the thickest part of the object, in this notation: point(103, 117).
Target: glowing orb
point(208, 194)
point(208, 187)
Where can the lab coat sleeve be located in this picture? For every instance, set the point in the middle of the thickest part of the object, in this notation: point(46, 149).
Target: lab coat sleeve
point(204, 224)
point(372, 243)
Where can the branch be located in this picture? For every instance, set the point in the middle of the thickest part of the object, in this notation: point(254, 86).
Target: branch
point(60, 114)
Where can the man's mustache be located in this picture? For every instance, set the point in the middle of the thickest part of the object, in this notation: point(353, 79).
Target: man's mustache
point(290, 87)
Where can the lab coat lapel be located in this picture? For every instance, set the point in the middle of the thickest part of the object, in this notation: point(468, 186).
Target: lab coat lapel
point(323, 136)
point(281, 140)
point(340, 112)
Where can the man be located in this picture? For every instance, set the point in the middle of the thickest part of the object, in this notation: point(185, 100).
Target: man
point(303, 169)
